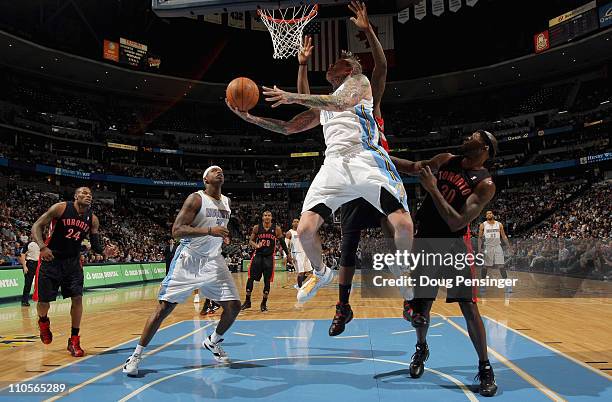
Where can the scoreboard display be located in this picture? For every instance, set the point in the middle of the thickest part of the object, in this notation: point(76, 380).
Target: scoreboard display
point(131, 53)
point(573, 24)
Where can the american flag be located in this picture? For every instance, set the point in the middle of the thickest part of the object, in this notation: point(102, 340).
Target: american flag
point(326, 41)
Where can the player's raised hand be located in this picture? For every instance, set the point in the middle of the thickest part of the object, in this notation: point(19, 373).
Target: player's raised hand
point(243, 115)
point(361, 15)
point(277, 95)
point(306, 50)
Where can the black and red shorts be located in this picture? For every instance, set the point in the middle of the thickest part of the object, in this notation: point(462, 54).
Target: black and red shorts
point(51, 276)
point(262, 265)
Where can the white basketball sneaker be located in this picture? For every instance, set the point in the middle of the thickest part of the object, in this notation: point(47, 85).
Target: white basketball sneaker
point(218, 353)
point(314, 283)
point(196, 298)
point(131, 364)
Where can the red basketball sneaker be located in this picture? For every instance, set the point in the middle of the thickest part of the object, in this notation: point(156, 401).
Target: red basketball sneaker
point(74, 346)
point(45, 331)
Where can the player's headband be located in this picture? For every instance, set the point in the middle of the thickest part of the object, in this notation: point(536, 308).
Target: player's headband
point(486, 137)
point(208, 171)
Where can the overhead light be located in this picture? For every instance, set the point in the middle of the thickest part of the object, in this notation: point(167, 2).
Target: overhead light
point(267, 140)
point(275, 166)
point(574, 60)
point(106, 72)
point(604, 102)
point(97, 80)
point(42, 67)
point(433, 132)
point(10, 45)
point(563, 111)
point(149, 133)
point(498, 121)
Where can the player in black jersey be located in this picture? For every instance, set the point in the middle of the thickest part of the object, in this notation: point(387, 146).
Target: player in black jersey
point(263, 239)
point(60, 260)
point(458, 187)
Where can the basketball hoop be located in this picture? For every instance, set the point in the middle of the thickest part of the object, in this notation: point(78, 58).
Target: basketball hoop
point(286, 27)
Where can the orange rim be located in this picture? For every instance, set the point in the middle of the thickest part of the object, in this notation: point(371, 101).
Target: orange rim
point(311, 15)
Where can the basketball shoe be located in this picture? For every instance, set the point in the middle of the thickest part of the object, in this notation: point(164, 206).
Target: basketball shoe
point(74, 346)
point(318, 280)
point(131, 364)
point(485, 375)
point(344, 315)
point(420, 356)
point(45, 331)
point(218, 353)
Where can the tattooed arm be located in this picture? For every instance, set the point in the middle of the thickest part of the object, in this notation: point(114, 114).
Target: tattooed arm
point(302, 122)
point(355, 89)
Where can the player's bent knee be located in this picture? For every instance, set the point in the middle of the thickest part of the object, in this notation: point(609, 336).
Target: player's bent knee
point(419, 314)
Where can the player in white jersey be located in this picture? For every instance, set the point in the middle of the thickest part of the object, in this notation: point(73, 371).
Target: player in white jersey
point(300, 260)
point(491, 233)
point(355, 165)
point(201, 224)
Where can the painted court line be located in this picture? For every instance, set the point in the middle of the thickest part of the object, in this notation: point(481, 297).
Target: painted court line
point(468, 393)
point(523, 374)
point(290, 337)
point(242, 334)
point(350, 336)
point(82, 359)
point(414, 330)
point(115, 369)
point(593, 369)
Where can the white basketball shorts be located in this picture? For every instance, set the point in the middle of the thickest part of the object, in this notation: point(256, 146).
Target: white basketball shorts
point(494, 256)
point(358, 172)
point(189, 271)
point(301, 262)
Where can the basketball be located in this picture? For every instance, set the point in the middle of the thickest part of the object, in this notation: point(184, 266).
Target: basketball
point(242, 93)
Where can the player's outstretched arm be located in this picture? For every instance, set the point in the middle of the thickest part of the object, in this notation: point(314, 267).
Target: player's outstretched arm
point(414, 168)
point(182, 224)
point(356, 88)
point(303, 56)
point(379, 74)
point(55, 212)
point(483, 193)
point(302, 122)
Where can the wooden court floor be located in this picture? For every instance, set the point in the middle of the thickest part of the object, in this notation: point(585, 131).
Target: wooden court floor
point(579, 326)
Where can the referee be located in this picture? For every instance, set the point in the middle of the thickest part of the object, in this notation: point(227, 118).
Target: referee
point(29, 261)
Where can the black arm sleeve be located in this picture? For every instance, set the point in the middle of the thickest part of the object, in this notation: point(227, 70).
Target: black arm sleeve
point(283, 244)
point(96, 243)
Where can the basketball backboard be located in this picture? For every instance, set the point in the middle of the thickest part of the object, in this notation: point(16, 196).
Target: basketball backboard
point(186, 8)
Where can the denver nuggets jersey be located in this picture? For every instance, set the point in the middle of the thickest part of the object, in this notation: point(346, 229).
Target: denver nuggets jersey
point(212, 213)
point(492, 234)
point(296, 245)
point(346, 129)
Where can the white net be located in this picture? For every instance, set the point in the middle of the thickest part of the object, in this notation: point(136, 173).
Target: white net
point(286, 27)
